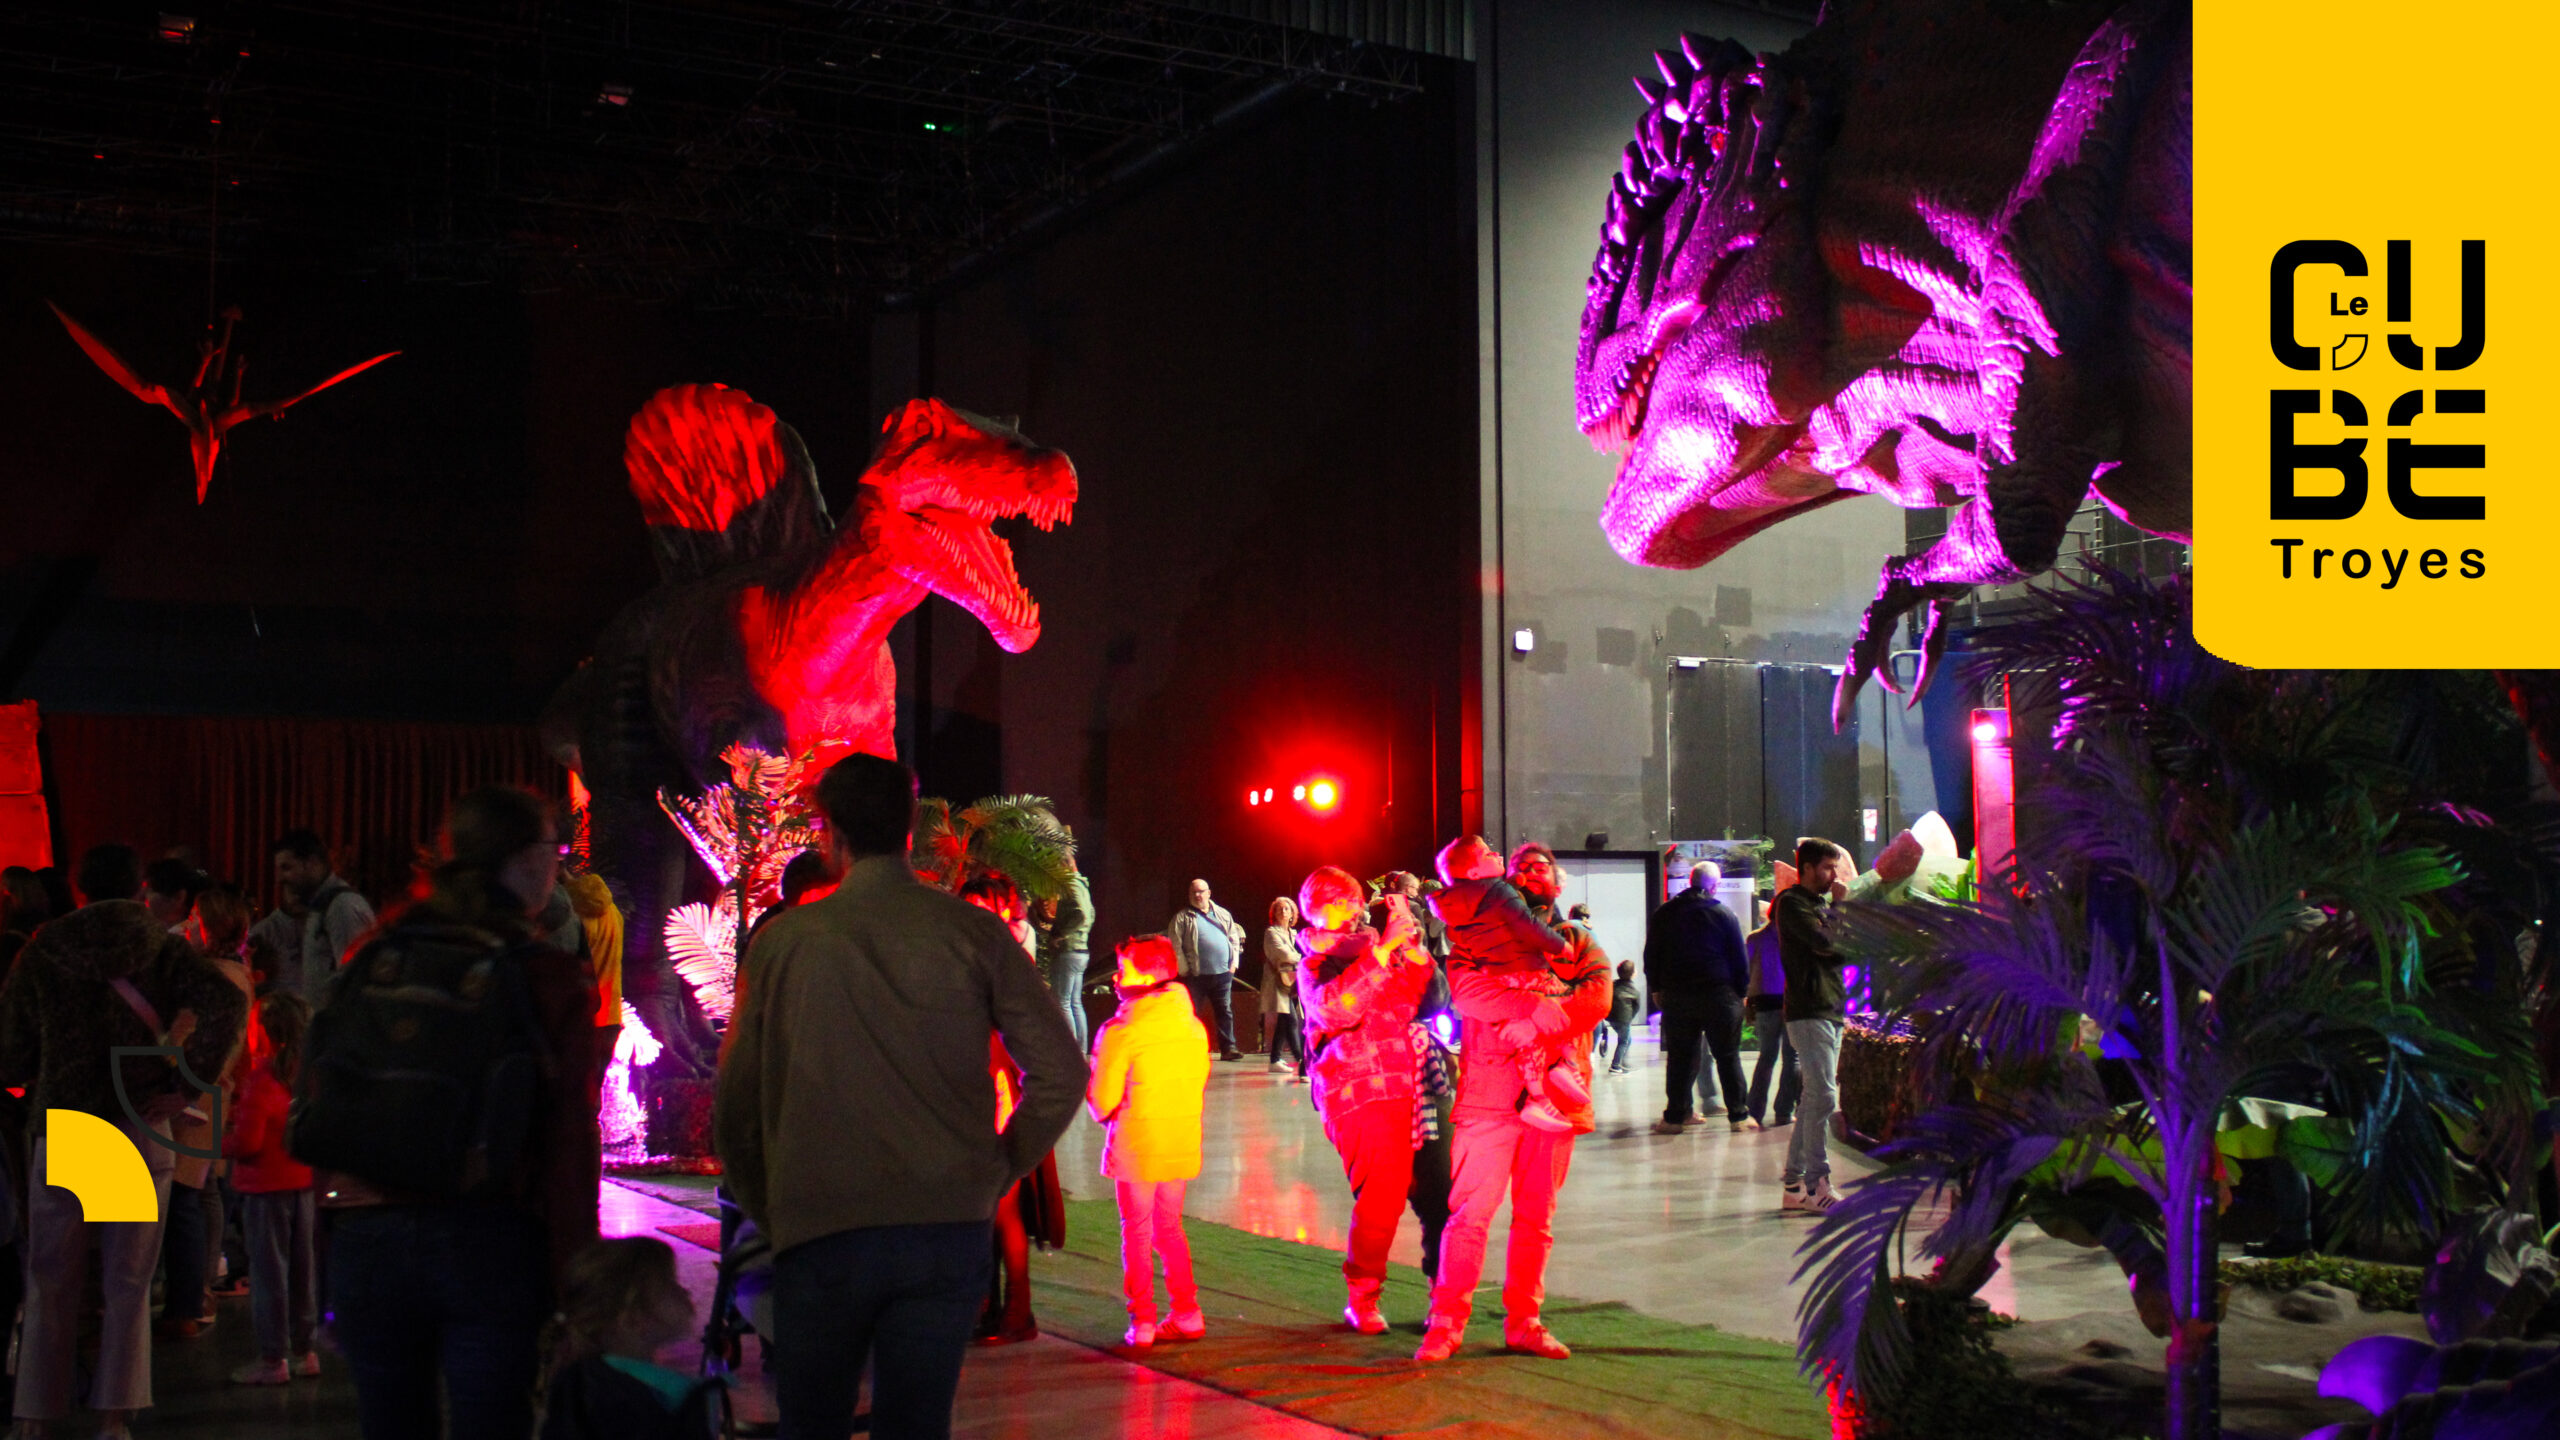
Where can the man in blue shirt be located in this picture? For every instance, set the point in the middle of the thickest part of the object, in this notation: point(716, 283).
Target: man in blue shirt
point(1208, 940)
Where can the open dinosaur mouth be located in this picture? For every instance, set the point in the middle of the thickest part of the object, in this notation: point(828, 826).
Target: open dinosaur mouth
point(972, 566)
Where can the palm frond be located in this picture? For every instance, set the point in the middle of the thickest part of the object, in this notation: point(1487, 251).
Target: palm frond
point(702, 944)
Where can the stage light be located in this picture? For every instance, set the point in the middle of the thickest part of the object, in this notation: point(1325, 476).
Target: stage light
point(1298, 792)
point(1253, 797)
point(1985, 733)
point(1524, 640)
point(614, 95)
point(1323, 795)
point(176, 29)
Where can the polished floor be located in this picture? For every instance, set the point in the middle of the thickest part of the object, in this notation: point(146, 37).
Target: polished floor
point(1685, 1227)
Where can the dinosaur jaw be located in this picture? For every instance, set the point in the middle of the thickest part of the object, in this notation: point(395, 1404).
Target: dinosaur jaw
point(956, 554)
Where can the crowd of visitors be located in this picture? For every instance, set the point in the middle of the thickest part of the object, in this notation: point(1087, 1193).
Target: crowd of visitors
point(385, 1127)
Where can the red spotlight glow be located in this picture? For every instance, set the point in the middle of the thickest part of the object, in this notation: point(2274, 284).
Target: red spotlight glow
point(1324, 795)
point(1985, 733)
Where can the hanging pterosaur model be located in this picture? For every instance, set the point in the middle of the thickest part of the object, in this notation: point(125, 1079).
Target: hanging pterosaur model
point(210, 404)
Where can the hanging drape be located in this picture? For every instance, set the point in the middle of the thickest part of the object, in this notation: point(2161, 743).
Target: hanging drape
point(225, 787)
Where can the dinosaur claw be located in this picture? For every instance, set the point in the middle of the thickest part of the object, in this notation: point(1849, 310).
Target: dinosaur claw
point(1933, 647)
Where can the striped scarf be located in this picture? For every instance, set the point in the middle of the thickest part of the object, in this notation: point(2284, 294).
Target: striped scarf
point(1431, 1083)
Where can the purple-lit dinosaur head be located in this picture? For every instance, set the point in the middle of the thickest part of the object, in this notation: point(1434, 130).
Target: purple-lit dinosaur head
point(1937, 251)
point(1748, 357)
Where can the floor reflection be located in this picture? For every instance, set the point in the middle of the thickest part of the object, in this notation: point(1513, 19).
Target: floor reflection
point(1685, 1227)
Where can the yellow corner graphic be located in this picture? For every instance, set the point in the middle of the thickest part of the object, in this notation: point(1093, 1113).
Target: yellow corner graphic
point(96, 1162)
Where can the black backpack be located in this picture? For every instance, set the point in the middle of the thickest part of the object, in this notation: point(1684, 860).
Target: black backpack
point(422, 1072)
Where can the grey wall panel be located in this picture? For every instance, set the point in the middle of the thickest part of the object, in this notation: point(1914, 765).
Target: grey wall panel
point(1714, 745)
point(1810, 783)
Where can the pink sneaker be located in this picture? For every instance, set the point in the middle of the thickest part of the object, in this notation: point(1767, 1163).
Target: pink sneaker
point(1185, 1325)
point(1539, 1115)
point(1439, 1343)
point(1564, 1083)
point(1141, 1335)
point(1535, 1340)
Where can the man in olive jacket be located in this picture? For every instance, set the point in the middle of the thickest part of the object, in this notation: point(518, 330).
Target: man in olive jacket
point(856, 1117)
point(1816, 1009)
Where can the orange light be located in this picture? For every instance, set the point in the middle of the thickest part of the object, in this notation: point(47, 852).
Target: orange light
point(1324, 795)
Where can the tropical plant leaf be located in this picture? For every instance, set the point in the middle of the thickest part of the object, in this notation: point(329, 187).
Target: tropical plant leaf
point(702, 944)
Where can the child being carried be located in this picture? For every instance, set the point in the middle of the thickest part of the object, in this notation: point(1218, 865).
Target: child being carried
point(1492, 930)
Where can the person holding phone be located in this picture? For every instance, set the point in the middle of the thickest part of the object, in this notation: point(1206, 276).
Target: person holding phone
point(1360, 987)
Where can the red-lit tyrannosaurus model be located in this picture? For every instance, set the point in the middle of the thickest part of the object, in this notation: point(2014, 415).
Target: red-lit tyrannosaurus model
point(771, 626)
point(1937, 251)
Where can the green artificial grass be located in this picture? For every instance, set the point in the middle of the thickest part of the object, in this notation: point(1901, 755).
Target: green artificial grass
point(1276, 1337)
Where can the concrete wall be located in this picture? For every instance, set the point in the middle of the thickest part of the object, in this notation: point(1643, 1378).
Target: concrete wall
point(1260, 363)
point(1576, 728)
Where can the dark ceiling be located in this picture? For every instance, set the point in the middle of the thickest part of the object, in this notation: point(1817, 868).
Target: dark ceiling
point(792, 156)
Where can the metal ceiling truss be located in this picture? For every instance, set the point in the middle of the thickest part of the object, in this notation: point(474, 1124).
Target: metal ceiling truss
point(792, 155)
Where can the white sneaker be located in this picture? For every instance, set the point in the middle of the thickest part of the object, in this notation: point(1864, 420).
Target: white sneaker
point(262, 1372)
point(1140, 1336)
point(1791, 1198)
point(1820, 1197)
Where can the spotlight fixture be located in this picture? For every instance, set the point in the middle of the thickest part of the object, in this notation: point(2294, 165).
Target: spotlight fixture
point(175, 29)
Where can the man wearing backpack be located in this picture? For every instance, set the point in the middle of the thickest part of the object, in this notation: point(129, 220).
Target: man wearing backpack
point(334, 917)
point(856, 1118)
point(445, 1088)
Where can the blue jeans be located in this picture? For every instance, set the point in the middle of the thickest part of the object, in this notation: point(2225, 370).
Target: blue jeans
point(1066, 981)
point(1213, 998)
point(284, 1294)
point(903, 1298)
point(1769, 1024)
point(415, 1290)
point(1817, 1045)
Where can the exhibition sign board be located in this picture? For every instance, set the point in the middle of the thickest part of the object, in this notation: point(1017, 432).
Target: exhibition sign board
point(2374, 312)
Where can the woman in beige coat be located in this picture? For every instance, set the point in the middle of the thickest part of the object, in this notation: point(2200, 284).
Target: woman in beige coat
point(1280, 988)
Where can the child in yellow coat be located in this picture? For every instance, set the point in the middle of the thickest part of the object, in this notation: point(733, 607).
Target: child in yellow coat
point(1150, 1073)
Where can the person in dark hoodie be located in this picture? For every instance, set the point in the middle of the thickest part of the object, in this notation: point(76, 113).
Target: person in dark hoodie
point(103, 976)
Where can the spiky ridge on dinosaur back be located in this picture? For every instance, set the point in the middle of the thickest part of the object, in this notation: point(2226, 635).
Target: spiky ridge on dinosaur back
point(1936, 251)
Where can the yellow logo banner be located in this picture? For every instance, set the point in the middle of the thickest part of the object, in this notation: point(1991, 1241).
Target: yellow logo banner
point(2374, 302)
